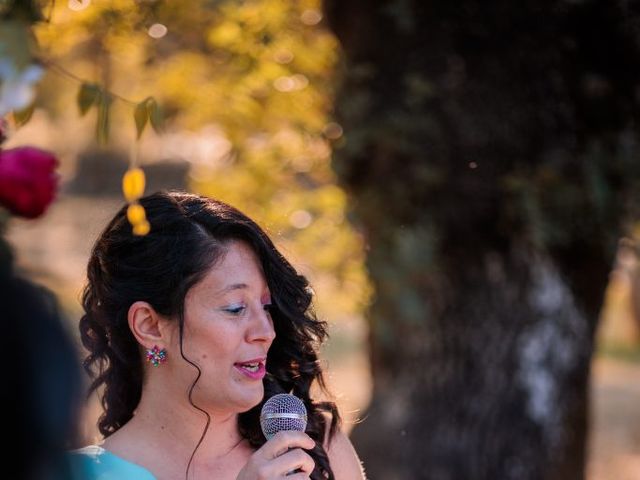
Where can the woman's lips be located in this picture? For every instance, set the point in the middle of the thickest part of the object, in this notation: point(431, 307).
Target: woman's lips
point(253, 370)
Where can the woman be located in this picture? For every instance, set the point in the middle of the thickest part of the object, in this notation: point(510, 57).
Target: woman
point(224, 322)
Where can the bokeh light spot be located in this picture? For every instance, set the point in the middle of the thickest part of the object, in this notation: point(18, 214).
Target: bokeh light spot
point(77, 5)
point(333, 130)
point(283, 56)
point(311, 17)
point(300, 219)
point(157, 30)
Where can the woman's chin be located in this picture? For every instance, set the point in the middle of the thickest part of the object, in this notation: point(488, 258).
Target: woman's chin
point(250, 400)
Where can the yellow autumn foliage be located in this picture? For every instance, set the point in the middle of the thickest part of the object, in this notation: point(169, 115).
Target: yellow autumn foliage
point(258, 72)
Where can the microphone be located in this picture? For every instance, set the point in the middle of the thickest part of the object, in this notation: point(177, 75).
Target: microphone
point(283, 411)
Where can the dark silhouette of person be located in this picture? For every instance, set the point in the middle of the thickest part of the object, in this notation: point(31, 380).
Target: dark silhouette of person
point(42, 384)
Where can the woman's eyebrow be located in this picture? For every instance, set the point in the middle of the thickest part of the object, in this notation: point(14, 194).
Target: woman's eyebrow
point(232, 287)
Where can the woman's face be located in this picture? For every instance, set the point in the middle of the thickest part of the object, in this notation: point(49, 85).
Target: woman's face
point(227, 332)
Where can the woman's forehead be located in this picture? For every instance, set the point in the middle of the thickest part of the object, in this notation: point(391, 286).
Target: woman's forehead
point(238, 268)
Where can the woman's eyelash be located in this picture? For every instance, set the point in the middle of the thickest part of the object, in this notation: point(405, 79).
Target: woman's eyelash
point(238, 309)
point(235, 309)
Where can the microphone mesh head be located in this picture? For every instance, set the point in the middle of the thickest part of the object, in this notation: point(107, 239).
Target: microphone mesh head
point(283, 412)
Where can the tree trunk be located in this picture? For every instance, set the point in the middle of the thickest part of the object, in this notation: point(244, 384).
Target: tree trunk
point(486, 379)
point(489, 152)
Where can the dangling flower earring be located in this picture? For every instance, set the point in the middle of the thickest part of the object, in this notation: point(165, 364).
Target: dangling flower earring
point(156, 356)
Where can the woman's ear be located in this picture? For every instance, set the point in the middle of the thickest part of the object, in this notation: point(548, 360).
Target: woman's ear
point(149, 328)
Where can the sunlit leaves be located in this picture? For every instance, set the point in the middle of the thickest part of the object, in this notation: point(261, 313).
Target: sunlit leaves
point(225, 35)
point(259, 73)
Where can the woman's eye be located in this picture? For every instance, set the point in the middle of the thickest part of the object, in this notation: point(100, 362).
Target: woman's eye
point(235, 309)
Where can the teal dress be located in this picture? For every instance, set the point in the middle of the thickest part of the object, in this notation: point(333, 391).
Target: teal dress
point(96, 463)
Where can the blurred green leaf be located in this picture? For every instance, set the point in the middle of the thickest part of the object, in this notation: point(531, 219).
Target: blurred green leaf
point(156, 116)
point(102, 126)
point(21, 10)
point(87, 96)
point(141, 117)
point(16, 44)
point(21, 117)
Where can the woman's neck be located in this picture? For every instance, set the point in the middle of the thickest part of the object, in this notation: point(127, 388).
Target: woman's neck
point(165, 431)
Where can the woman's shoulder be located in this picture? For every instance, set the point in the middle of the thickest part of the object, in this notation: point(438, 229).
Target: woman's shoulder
point(94, 462)
point(343, 457)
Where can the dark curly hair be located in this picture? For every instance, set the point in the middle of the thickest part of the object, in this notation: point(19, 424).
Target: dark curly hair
point(188, 234)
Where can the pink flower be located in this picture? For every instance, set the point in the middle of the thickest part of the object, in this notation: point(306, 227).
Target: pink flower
point(28, 180)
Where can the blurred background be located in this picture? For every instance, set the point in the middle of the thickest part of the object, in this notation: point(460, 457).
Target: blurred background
point(458, 180)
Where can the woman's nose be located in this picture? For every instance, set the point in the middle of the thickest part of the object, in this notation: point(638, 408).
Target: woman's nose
point(262, 327)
